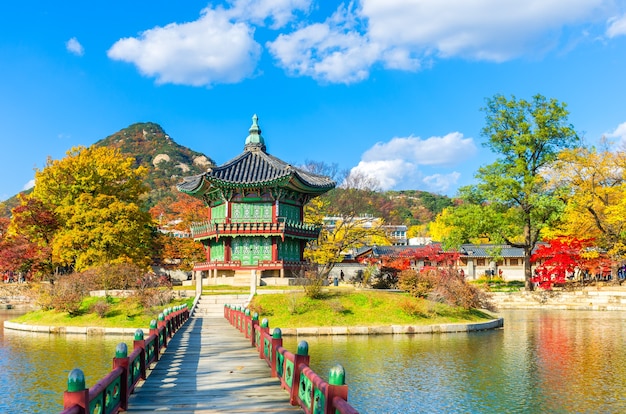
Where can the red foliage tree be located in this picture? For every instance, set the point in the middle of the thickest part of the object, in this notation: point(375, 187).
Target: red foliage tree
point(562, 257)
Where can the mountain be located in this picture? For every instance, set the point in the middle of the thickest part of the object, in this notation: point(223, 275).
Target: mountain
point(167, 162)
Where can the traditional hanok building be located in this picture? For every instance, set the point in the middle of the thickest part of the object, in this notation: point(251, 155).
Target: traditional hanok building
point(255, 214)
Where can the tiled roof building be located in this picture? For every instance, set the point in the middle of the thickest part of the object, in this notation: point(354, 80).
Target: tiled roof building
point(255, 212)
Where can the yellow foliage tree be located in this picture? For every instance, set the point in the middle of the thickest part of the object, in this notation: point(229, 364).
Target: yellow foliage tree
point(94, 193)
point(594, 184)
point(345, 227)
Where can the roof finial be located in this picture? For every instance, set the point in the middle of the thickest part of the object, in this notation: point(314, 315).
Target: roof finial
point(254, 139)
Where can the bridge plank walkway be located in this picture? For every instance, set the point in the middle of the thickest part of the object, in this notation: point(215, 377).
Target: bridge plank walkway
point(209, 367)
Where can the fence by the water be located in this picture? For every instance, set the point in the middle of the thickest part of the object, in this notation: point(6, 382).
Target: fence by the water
point(306, 388)
point(110, 394)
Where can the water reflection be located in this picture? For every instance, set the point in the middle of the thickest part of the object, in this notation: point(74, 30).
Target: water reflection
point(34, 366)
point(543, 361)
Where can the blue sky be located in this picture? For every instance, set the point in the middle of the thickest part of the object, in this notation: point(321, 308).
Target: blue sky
point(391, 88)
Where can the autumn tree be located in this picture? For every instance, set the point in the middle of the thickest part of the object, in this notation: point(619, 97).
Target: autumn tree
point(174, 217)
point(345, 223)
point(593, 183)
point(94, 193)
point(27, 245)
point(513, 201)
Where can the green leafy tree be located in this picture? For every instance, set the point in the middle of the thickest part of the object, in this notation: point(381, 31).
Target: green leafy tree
point(513, 200)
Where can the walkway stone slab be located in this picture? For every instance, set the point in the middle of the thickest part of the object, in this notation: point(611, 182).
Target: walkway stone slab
point(209, 367)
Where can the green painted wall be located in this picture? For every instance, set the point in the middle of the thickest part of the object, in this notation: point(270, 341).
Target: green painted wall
point(290, 212)
point(217, 250)
point(258, 212)
point(218, 212)
point(249, 250)
point(289, 249)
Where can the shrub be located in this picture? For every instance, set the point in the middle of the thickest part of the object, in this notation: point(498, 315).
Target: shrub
point(446, 286)
point(312, 283)
point(293, 304)
point(336, 306)
point(115, 276)
point(101, 308)
point(68, 293)
point(413, 308)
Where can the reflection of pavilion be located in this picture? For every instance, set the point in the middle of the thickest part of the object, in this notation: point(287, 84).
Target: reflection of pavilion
point(255, 213)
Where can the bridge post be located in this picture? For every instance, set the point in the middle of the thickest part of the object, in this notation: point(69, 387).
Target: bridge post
point(336, 387)
point(140, 342)
point(264, 332)
point(301, 361)
point(121, 360)
point(77, 393)
point(162, 324)
point(255, 328)
point(247, 322)
point(277, 340)
point(154, 330)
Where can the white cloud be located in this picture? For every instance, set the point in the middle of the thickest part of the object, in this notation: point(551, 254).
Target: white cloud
point(406, 35)
point(620, 133)
point(617, 26)
point(204, 52)
point(403, 34)
point(29, 185)
point(446, 150)
point(398, 163)
point(482, 29)
point(333, 51)
point(441, 183)
point(280, 12)
point(74, 47)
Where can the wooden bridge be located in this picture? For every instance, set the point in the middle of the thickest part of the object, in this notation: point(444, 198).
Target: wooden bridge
point(208, 367)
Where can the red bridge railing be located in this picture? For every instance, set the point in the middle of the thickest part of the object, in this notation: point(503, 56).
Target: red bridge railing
point(306, 389)
point(110, 394)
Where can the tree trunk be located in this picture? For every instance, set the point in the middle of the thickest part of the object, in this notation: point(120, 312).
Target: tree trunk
point(528, 273)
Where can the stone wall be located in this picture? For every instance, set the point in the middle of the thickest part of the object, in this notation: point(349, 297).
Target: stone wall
point(591, 299)
point(14, 293)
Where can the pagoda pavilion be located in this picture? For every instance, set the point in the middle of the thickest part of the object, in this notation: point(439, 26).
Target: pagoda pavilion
point(255, 214)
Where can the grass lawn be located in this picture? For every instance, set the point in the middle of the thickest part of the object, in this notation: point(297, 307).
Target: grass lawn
point(346, 307)
point(121, 313)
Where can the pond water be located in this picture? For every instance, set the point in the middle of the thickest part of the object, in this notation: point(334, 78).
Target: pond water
point(34, 366)
point(541, 362)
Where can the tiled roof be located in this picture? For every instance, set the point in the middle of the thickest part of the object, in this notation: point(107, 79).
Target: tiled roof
point(487, 250)
point(254, 167)
point(391, 251)
point(472, 250)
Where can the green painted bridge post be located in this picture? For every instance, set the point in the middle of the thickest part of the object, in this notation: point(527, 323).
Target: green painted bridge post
point(301, 360)
point(140, 342)
point(255, 329)
point(154, 330)
point(277, 340)
point(121, 361)
point(263, 341)
point(77, 393)
point(336, 387)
